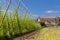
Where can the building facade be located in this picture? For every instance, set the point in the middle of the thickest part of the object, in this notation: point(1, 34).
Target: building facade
point(48, 20)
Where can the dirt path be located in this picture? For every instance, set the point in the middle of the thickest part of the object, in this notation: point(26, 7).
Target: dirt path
point(28, 36)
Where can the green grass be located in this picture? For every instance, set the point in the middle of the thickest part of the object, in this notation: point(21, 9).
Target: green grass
point(16, 24)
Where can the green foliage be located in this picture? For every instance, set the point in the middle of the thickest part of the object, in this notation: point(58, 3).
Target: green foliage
point(13, 24)
point(42, 23)
point(58, 22)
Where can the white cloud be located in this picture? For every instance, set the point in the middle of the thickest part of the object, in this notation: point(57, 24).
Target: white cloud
point(35, 16)
point(52, 11)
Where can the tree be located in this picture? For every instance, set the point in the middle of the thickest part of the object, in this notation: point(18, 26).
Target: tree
point(58, 20)
point(42, 23)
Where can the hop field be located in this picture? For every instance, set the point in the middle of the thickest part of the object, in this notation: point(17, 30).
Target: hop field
point(15, 24)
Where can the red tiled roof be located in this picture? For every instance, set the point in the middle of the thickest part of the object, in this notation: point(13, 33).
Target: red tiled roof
point(44, 19)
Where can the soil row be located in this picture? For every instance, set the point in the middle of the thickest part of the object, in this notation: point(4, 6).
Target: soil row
point(27, 36)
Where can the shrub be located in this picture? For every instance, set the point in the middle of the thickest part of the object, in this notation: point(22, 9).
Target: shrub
point(58, 22)
point(42, 23)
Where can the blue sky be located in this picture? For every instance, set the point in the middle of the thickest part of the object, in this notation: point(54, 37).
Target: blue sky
point(38, 7)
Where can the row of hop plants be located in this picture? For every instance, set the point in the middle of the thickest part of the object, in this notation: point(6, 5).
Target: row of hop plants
point(16, 24)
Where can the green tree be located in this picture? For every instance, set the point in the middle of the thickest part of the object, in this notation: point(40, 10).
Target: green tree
point(42, 23)
point(58, 20)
